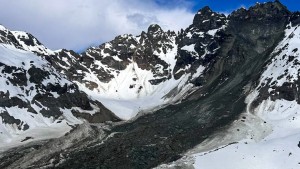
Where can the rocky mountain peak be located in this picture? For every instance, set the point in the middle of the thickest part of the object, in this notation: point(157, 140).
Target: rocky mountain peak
point(30, 43)
point(7, 37)
point(206, 19)
point(154, 29)
point(262, 11)
point(155, 32)
point(27, 38)
point(270, 8)
point(205, 11)
point(23, 40)
point(295, 18)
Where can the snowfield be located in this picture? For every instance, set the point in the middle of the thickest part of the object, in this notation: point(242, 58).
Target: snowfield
point(40, 127)
point(268, 138)
point(10, 140)
point(117, 95)
point(131, 92)
point(280, 149)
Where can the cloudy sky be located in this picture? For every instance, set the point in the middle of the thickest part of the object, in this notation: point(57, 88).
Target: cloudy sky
point(77, 24)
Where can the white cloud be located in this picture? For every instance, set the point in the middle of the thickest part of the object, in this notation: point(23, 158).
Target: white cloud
point(76, 24)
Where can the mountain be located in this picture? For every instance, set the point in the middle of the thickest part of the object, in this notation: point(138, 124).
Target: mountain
point(130, 74)
point(35, 96)
point(221, 93)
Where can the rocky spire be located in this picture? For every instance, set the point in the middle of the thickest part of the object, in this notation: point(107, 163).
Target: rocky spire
point(154, 29)
point(206, 19)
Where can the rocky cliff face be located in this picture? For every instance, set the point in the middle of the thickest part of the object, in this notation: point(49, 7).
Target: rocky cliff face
point(209, 77)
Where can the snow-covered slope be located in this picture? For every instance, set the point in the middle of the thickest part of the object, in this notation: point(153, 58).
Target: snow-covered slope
point(135, 88)
point(23, 40)
point(30, 43)
point(133, 74)
point(269, 140)
point(7, 37)
point(35, 97)
point(129, 83)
